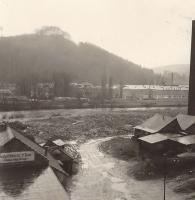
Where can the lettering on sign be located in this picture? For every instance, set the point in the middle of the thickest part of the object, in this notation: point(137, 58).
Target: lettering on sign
point(23, 156)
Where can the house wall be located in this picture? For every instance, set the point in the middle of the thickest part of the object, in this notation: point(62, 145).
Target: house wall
point(17, 146)
point(167, 146)
point(133, 94)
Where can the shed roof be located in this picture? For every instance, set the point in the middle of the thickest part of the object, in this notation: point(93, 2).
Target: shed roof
point(10, 133)
point(59, 142)
point(157, 137)
point(186, 140)
point(155, 123)
point(185, 121)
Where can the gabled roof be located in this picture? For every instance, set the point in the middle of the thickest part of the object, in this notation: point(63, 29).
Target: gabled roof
point(185, 121)
point(154, 138)
point(157, 137)
point(155, 123)
point(186, 140)
point(10, 134)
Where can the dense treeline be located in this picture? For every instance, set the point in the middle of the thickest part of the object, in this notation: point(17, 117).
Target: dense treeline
point(50, 55)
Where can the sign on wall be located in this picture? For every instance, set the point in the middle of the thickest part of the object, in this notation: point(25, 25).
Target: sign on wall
point(11, 157)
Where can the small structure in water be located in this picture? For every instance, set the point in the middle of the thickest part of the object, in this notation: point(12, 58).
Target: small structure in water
point(24, 161)
point(66, 155)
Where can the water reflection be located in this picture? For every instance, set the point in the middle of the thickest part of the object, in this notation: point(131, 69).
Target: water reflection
point(13, 181)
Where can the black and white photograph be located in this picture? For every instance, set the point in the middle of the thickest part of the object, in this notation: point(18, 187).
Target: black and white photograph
point(97, 100)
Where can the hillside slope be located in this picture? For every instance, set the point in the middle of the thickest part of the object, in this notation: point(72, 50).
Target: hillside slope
point(40, 56)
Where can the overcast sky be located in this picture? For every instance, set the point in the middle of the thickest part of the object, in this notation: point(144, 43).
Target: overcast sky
point(148, 32)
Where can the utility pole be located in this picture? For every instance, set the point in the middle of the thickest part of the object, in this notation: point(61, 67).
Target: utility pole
point(165, 175)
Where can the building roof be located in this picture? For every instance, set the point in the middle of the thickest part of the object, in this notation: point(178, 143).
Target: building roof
point(156, 87)
point(185, 121)
point(186, 140)
point(157, 137)
point(187, 155)
point(155, 123)
point(10, 134)
point(59, 142)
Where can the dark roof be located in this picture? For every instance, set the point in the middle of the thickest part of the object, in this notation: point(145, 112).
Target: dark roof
point(10, 133)
point(186, 140)
point(185, 121)
point(157, 137)
point(56, 144)
point(155, 123)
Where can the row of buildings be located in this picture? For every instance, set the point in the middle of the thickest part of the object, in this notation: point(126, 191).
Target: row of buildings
point(90, 91)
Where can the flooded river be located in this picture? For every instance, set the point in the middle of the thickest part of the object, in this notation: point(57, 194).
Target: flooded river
point(105, 178)
point(101, 176)
point(43, 114)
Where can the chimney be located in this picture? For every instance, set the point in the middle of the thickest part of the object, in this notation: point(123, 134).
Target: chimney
point(191, 100)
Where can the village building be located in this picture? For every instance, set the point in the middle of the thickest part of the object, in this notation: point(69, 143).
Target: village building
point(31, 164)
point(157, 92)
point(158, 144)
point(159, 134)
point(188, 142)
point(156, 124)
point(61, 152)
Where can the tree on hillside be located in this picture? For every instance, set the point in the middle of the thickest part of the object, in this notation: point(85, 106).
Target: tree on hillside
point(110, 88)
point(61, 84)
point(103, 88)
point(121, 85)
point(53, 30)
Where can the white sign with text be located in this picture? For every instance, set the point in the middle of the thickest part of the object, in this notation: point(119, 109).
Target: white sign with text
point(11, 157)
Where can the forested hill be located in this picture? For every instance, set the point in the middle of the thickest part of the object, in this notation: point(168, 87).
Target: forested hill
point(37, 57)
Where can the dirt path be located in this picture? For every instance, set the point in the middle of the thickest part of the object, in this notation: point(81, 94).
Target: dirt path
point(105, 178)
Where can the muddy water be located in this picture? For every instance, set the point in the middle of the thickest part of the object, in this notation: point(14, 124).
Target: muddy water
point(44, 114)
point(105, 178)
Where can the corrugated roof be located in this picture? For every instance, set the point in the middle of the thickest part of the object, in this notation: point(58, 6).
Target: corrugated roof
point(185, 121)
point(155, 123)
point(186, 140)
point(157, 137)
point(11, 133)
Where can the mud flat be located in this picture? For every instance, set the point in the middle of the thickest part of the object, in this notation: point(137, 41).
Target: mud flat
point(85, 124)
point(180, 182)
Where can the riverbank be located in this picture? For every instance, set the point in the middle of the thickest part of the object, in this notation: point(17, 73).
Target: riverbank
point(76, 104)
point(102, 175)
point(84, 124)
point(180, 176)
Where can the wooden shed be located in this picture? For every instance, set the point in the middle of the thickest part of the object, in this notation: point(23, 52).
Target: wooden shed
point(157, 123)
point(158, 144)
